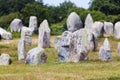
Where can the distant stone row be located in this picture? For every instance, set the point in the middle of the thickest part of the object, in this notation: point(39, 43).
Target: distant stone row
point(74, 45)
point(16, 26)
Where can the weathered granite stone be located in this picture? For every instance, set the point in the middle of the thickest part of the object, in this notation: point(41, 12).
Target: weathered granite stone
point(108, 28)
point(26, 35)
point(105, 51)
point(79, 46)
point(88, 22)
point(33, 23)
point(16, 25)
point(5, 59)
point(118, 48)
point(117, 30)
point(4, 34)
point(57, 41)
point(74, 22)
point(21, 50)
point(63, 46)
point(44, 35)
point(97, 29)
point(36, 56)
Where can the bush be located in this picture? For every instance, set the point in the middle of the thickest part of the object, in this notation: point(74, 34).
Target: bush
point(6, 20)
point(57, 29)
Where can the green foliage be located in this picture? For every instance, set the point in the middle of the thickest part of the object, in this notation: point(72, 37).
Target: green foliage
point(16, 35)
point(106, 6)
point(5, 20)
point(8, 6)
point(34, 9)
point(56, 29)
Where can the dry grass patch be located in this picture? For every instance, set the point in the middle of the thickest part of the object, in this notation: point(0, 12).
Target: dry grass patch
point(93, 69)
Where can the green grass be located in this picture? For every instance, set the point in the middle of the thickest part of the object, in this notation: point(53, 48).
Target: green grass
point(93, 69)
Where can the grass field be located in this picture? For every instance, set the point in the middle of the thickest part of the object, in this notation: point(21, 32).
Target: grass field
point(93, 69)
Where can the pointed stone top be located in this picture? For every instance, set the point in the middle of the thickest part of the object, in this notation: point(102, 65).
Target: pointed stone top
point(88, 21)
point(106, 43)
point(74, 22)
point(44, 25)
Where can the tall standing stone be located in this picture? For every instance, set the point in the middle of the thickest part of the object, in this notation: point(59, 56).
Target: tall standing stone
point(117, 30)
point(63, 44)
point(33, 23)
point(79, 47)
point(21, 50)
point(26, 35)
point(74, 22)
point(16, 25)
point(88, 22)
point(26, 39)
point(105, 51)
point(44, 35)
point(97, 29)
point(108, 28)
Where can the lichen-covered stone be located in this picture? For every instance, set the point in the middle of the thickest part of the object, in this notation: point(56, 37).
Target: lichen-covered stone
point(16, 25)
point(36, 56)
point(108, 28)
point(5, 35)
point(97, 29)
point(117, 30)
point(74, 22)
point(21, 50)
point(33, 23)
point(26, 35)
point(44, 35)
point(5, 59)
point(88, 22)
point(105, 51)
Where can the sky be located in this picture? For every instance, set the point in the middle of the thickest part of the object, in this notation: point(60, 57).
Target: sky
point(79, 3)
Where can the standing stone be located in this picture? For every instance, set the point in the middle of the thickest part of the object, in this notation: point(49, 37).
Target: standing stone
point(44, 35)
point(21, 50)
point(108, 28)
point(26, 35)
point(88, 22)
point(74, 22)
point(97, 29)
point(105, 51)
point(4, 34)
point(33, 23)
point(79, 46)
point(16, 25)
point(57, 41)
point(63, 46)
point(5, 59)
point(36, 56)
point(117, 30)
point(118, 48)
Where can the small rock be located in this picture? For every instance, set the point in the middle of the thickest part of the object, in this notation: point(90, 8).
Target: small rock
point(36, 56)
point(5, 59)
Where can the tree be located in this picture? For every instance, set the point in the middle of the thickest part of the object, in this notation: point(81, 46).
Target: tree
point(8, 6)
point(34, 9)
point(109, 7)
